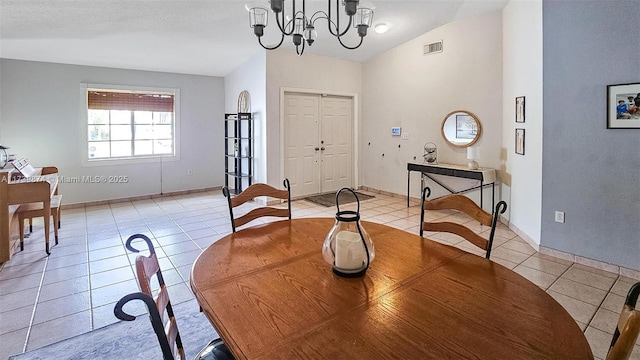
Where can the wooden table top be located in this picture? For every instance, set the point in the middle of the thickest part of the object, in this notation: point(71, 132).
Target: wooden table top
point(270, 295)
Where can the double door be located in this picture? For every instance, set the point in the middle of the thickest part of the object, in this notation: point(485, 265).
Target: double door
point(318, 143)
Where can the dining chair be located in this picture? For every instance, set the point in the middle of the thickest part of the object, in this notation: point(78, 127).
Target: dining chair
point(467, 206)
point(628, 327)
point(252, 192)
point(167, 333)
point(36, 209)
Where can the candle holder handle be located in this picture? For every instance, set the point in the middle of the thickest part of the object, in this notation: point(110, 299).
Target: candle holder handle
point(354, 195)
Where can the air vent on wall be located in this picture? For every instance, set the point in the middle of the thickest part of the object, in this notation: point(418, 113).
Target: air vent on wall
point(433, 48)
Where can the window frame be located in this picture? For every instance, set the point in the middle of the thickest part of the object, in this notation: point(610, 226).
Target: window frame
point(84, 123)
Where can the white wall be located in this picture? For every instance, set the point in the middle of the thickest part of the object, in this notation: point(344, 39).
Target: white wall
point(522, 76)
point(251, 76)
point(309, 72)
point(402, 87)
point(40, 107)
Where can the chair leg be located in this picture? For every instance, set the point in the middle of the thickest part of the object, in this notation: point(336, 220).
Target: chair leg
point(55, 214)
point(21, 225)
point(46, 233)
point(30, 225)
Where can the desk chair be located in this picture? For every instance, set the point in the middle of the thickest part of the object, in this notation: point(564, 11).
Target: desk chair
point(251, 193)
point(168, 334)
point(628, 327)
point(467, 206)
point(36, 209)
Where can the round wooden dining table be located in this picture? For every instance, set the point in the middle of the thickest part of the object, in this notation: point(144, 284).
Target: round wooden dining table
point(270, 295)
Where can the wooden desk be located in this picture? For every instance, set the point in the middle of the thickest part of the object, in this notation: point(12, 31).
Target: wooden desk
point(486, 176)
point(13, 193)
point(270, 295)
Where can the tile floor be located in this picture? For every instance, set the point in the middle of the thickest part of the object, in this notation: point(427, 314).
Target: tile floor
point(73, 291)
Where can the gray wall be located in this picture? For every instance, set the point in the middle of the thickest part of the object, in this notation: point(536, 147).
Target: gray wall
point(40, 110)
point(590, 172)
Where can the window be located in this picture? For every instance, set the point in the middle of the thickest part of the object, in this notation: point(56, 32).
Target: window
point(129, 124)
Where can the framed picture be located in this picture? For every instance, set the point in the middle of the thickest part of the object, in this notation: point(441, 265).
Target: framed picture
point(520, 109)
point(623, 106)
point(520, 141)
point(466, 127)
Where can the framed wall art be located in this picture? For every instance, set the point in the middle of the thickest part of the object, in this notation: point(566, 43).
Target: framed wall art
point(623, 106)
point(520, 141)
point(520, 109)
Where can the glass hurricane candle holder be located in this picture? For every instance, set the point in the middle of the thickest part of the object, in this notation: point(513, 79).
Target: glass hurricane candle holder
point(348, 247)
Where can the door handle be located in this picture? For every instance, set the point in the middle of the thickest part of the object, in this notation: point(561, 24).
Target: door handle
point(318, 149)
point(322, 148)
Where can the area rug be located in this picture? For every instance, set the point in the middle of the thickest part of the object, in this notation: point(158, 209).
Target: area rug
point(130, 339)
point(329, 199)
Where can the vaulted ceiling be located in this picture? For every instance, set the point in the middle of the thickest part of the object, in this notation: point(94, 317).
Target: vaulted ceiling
point(204, 37)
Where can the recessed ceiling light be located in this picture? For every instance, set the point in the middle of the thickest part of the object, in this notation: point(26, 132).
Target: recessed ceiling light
point(381, 28)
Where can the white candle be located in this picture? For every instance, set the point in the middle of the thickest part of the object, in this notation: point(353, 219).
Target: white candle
point(349, 250)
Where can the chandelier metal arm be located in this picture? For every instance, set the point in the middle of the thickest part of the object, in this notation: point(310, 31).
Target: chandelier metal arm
point(273, 47)
point(300, 52)
point(336, 32)
point(349, 47)
point(282, 25)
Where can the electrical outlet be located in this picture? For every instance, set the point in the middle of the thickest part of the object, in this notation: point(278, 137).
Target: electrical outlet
point(190, 172)
point(560, 216)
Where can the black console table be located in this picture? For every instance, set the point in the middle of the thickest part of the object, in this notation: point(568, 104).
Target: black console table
point(484, 175)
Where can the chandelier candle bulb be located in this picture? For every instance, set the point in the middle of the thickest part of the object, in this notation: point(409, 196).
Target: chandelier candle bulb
point(349, 251)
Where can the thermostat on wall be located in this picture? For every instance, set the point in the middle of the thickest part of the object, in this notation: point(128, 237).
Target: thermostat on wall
point(395, 131)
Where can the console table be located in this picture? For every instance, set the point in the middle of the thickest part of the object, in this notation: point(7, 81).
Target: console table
point(486, 176)
point(14, 193)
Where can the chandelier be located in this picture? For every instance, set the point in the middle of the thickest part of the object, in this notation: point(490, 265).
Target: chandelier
point(302, 28)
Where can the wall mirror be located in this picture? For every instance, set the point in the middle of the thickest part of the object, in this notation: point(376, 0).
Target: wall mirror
point(461, 128)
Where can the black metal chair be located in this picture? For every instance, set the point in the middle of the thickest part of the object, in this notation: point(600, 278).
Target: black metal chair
point(168, 334)
point(467, 206)
point(251, 193)
point(628, 327)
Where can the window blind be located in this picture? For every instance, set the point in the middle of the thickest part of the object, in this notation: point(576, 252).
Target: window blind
point(111, 100)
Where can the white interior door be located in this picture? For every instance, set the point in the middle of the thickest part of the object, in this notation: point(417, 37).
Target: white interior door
point(318, 143)
point(336, 129)
point(301, 115)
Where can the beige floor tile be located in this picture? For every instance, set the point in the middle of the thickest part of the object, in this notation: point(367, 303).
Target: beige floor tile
point(605, 320)
point(510, 255)
point(64, 288)
point(622, 286)
point(596, 271)
point(613, 302)
point(579, 291)
point(508, 264)
point(519, 245)
point(543, 264)
point(55, 330)
point(599, 341)
point(111, 277)
point(17, 299)
point(589, 278)
point(579, 310)
point(12, 343)
point(61, 307)
point(537, 277)
point(15, 319)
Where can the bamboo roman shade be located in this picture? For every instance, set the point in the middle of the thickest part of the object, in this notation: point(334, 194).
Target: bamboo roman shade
point(111, 100)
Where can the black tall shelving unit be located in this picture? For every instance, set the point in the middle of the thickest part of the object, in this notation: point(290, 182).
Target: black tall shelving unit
point(238, 151)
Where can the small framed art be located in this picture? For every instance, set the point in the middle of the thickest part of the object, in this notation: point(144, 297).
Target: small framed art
point(520, 141)
point(623, 106)
point(520, 109)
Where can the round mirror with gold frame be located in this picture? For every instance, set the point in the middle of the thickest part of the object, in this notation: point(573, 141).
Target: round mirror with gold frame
point(461, 128)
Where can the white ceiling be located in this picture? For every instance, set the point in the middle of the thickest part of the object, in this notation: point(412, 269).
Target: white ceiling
point(204, 37)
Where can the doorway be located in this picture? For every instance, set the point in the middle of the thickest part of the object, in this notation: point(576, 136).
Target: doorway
point(318, 143)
